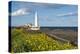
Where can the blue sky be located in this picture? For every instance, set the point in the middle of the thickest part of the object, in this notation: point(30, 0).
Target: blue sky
point(51, 15)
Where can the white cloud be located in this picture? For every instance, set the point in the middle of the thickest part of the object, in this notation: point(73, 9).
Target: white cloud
point(68, 14)
point(21, 11)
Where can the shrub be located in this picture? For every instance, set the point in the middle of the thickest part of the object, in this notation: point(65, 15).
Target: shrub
point(25, 41)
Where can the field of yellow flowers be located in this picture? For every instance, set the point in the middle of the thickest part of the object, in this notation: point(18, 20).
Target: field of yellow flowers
point(27, 41)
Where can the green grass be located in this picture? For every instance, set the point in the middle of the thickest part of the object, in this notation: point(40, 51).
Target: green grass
point(26, 41)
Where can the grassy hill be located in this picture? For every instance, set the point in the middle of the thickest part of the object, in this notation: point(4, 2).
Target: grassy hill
point(26, 41)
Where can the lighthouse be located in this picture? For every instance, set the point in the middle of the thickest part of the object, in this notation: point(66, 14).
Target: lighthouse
point(36, 22)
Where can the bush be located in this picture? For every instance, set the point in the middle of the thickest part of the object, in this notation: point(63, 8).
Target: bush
point(25, 41)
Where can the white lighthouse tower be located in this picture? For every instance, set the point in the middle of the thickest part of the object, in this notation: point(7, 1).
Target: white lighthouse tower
point(36, 24)
point(36, 20)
